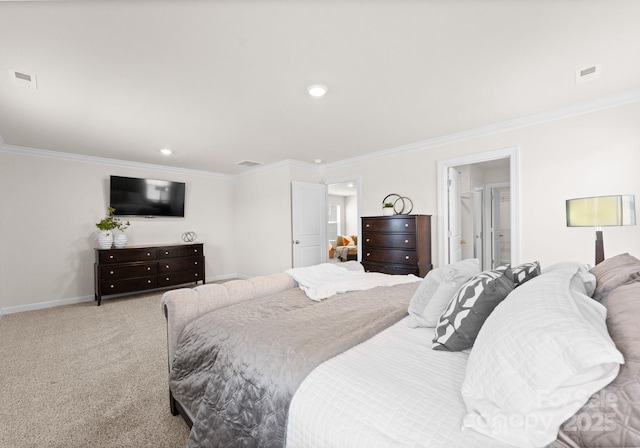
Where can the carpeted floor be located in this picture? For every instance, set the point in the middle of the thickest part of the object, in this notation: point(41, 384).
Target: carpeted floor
point(87, 376)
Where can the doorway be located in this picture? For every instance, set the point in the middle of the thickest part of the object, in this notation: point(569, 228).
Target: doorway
point(342, 216)
point(486, 208)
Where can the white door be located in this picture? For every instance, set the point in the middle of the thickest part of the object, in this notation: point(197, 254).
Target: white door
point(309, 218)
point(455, 223)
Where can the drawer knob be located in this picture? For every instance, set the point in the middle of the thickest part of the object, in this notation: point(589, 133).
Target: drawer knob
point(368, 254)
point(367, 225)
point(195, 250)
point(148, 268)
point(148, 254)
point(112, 286)
point(368, 240)
point(195, 262)
point(111, 272)
point(167, 266)
point(406, 225)
point(111, 257)
point(166, 253)
point(407, 257)
point(167, 279)
point(406, 241)
point(148, 281)
point(196, 275)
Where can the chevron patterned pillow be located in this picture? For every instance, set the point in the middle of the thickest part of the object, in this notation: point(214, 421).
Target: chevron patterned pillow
point(459, 325)
point(525, 272)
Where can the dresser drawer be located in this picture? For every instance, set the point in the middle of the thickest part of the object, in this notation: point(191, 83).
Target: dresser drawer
point(125, 255)
point(128, 270)
point(396, 240)
point(128, 285)
point(168, 279)
point(180, 251)
point(180, 264)
point(395, 225)
point(394, 269)
point(390, 256)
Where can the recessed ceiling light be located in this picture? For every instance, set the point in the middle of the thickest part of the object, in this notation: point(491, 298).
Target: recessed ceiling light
point(166, 151)
point(318, 161)
point(317, 90)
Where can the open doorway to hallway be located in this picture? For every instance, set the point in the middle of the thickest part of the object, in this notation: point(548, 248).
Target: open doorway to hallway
point(485, 212)
point(478, 208)
point(342, 221)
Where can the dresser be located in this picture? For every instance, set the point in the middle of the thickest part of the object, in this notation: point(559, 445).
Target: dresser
point(399, 244)
point(137, 268)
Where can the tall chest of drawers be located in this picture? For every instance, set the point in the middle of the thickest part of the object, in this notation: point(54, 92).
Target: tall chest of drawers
point(399, 244)
point(138, 268)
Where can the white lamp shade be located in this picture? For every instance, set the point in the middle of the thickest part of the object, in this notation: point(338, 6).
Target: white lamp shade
point(601, 211)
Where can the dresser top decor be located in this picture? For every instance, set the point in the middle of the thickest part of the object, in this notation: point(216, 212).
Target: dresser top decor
point(401, 205)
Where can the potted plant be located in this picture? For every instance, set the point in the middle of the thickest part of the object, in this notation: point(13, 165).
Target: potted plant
point(387, 209)
point(106, 226)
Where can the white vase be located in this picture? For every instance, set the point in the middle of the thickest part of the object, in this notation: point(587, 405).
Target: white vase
point(387, 211)
point(105, 239)
point(120, 240)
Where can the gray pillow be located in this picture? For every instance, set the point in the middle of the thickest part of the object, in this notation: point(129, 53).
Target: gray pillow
point(612, 415)
point(459, 325)
point(613, 272)
point(436, 291)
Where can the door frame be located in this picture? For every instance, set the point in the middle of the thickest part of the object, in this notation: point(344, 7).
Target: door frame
point(513, 154)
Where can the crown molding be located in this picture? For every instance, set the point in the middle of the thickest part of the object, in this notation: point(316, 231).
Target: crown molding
point(125, 163)
point(585, 107)
point(106, 161)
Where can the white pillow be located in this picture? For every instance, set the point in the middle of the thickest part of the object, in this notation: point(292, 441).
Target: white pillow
point(436, 291)
point(538, 358)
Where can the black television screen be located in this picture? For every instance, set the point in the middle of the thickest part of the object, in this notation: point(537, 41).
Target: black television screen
point(130, 196)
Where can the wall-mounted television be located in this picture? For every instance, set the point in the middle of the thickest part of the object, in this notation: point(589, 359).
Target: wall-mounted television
point(131, 196)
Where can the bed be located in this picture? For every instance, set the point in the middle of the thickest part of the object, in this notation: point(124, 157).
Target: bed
point(260, 362)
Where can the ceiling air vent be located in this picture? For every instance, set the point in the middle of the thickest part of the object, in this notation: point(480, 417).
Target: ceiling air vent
point(588, 73)
point(23, 79)
point(248, 163)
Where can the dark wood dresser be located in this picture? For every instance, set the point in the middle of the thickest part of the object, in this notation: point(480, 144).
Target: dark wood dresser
point(399, 244)
point(137, 268)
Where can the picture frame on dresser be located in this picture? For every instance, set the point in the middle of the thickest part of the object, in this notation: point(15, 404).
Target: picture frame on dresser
point(138, 268)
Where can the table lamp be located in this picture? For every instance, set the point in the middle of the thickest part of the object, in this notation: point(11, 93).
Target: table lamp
point(601, 211)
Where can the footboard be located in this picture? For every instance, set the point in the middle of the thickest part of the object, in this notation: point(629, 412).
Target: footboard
point(181, 306)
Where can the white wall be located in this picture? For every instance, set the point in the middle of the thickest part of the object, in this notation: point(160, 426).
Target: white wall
point(261, 241)
point(592, 154)
point(49, 207)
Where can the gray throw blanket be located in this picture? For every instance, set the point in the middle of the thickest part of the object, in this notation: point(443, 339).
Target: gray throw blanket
point(236, 369)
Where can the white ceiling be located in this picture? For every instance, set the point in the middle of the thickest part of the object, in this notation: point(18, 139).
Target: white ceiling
point(223, 81)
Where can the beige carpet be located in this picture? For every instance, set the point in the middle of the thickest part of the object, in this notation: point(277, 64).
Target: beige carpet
point(87, 376)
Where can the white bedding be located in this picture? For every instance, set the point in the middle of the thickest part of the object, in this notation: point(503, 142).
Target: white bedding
point(390, 391)
point(327, 279)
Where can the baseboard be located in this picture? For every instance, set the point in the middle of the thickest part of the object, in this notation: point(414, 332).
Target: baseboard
point(91, 298)
point(42, 305)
